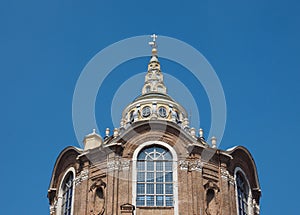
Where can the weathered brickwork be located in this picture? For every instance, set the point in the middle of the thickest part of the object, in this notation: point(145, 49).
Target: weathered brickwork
point(204, 186)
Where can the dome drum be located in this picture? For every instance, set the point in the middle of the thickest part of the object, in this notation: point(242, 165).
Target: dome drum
point(153, 109)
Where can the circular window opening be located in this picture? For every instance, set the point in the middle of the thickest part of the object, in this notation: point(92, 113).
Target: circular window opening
point(146, 111)
point(162, 112)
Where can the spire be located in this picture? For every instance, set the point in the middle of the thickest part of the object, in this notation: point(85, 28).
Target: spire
point(154, 82)
point(154, 48)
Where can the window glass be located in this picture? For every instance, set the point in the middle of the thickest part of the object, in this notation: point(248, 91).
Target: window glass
point(243, 193)
point(67, 196)
point(154, 177)
point(146, 111)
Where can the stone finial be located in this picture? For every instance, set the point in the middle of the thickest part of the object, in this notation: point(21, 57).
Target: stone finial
point(107, 131)
point(122, 123)
point(214, 142)
point(92, 140)
point(193, 132)
point(185, 122)
point(116, 132)
point(201, 132)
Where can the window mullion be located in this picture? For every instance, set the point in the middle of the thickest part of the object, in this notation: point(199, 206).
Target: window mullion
point(145, 182)
point(164, 183)
point(154, 180)
point(155, 169)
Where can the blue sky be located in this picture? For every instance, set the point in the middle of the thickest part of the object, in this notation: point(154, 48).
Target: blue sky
point(44, 45)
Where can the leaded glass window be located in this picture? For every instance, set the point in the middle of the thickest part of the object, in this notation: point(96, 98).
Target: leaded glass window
point(243, 193)
point(67, 194)
point(154, 177)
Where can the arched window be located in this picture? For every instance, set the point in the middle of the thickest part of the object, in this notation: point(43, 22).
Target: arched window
point(148, 88)
point(154, 177)
point(67, 194)
point(242, 194)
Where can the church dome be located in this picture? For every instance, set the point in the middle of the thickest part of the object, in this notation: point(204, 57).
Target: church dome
point(154, 103)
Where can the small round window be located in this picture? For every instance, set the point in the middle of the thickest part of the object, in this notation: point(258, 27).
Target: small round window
point(146, 111)
point(162, 112)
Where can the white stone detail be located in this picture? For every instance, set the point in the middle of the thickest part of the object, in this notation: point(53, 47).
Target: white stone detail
point(227, 177)
point(53, 207)
point(256, 208)
point(84, 174)
point(118, 165)
point(184, 165)
point(191, 165)
point(224, 174)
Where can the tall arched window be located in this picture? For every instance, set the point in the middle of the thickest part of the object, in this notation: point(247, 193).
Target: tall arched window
point(154, 177)
point(242, 194)
point(67, 194)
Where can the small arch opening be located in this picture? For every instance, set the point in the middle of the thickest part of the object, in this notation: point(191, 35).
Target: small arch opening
point(99, 193)
point(210, 195)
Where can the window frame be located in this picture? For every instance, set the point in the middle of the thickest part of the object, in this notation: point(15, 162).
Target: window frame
point(249, 211)
point(155, 177)
point(61, 192)
point(174, 168)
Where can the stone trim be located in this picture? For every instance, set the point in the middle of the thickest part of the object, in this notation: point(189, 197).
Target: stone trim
point(58, 204)
point(225, 175)
point(53, 207)
point(191, 165)
point(256, 208)
point(118, 165)
point(175, 169)
point(84, 174)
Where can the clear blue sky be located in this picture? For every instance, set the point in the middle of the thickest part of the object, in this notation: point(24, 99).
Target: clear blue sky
point(44, 45)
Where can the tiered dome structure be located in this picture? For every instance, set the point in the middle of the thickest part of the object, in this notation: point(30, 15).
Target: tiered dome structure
point(154, 103)
point(154, 163)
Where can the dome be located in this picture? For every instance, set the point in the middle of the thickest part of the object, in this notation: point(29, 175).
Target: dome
point(153, 95)
point(154, 103)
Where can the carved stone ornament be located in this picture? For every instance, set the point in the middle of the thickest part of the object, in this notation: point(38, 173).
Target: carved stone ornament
point(190, 165)
point(184, 165)
point(225, 175)
point(256, 208)
point(98, 183)
point(84, 174)
point(118, 165)
point(53, 207)
point(196, 166)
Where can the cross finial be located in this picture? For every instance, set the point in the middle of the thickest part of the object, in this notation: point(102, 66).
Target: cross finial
point(154, 36)
point(153, 42)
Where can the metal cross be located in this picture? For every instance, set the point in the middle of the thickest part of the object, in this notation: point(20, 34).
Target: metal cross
point(154, 36)
point(153, 42)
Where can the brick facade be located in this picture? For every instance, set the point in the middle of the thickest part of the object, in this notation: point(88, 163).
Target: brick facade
point(202, 179)
point(103, 181)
